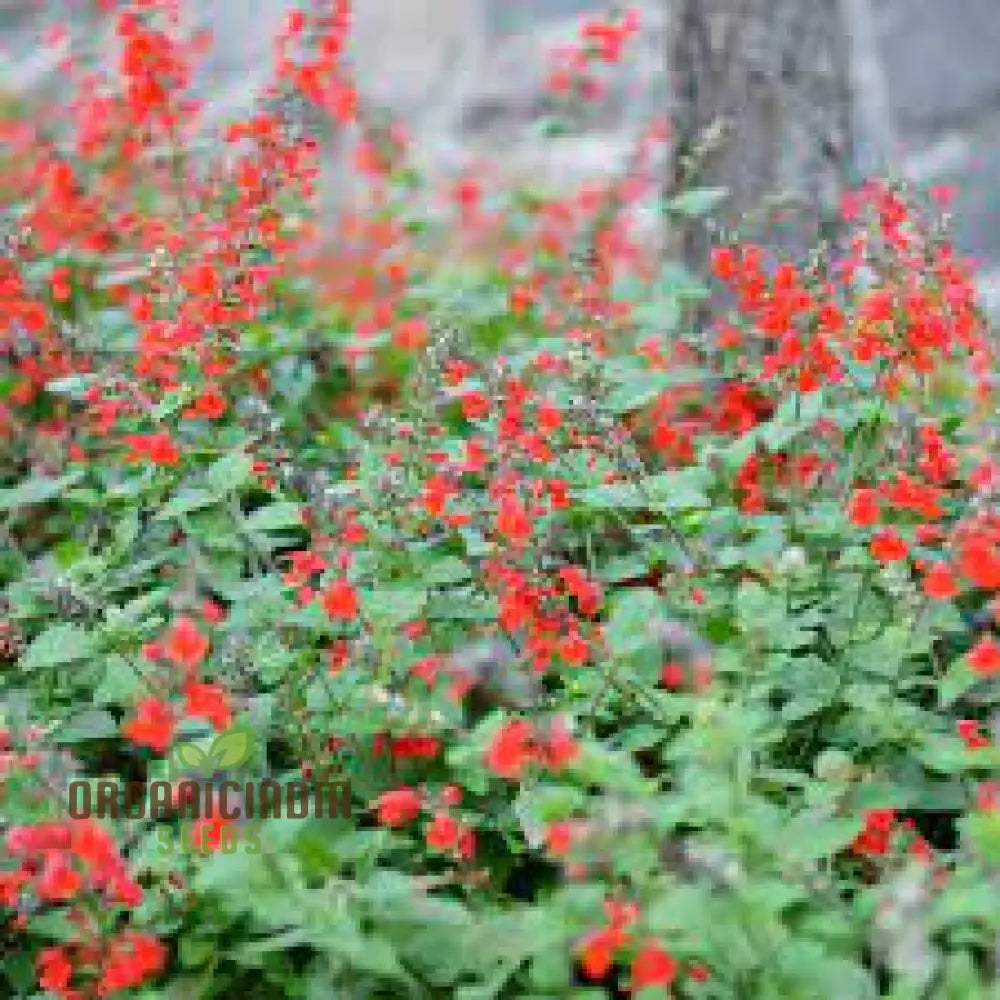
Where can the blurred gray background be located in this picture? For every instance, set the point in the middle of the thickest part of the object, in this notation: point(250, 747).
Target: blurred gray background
point(467, 75)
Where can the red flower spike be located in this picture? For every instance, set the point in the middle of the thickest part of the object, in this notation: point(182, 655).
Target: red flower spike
point(184, 645)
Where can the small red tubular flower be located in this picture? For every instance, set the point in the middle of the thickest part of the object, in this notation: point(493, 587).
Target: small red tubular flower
point(875, 839)
point(443, 832)
point(968, 730)
point(185, 646)
point(574, 649)
point(887, 546)
point(725, 263)
point(863, 508)
point(512, 748)
point(560, 748)
point(597, 953)
point(153, 725)
point(158, 448)
point(132, 957)
point(474, 405)
point(559, 838)
point(980, 563)
point(340, 601)
point(207, 701)
point(414, 747)
point(984, 657)
point(652, 966)
point(54, 969)
point(210, 405)
point(513, 522)
point(939, 582)
point(161, 450)
point(398, 807)
point(59, 881)
point(672, 675)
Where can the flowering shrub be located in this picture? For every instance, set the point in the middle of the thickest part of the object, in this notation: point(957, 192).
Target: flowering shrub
point(659, 656)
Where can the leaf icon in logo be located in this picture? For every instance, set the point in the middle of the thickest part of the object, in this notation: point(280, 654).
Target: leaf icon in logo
point(230, 749)
point(191, 756)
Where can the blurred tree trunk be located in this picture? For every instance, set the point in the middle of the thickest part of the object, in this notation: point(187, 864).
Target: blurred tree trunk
point(762, 106)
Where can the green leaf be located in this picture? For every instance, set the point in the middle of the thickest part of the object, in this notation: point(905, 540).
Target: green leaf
point(394, 606)
point(230, 472)
point(38, 490)
point(195, 952)
point(808, 837)
point(90, 724)
point(446, 571)
point(621, 496)
point(631, 615)
point(58, 644)
point(54, 925)
point(796, 415)
point(680, 489)
point(183, 503)
point(170, 403)
point(122, 681)
point(983, 830)
point(958, 680)
point(275, 517)
point(643, 387)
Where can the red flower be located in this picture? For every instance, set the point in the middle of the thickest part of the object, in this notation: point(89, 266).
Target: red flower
point(887, 547)
point(211, 405)
point(411, 334)
point(875, 838)
point(131, 958)
point(980, 562)
point(863, 508)
point(984, 657)
point(512, 748)
point(161, 450)
point(467, 844)
point(398, 807)
point(54, 969)
point(513, 521)
point(597, 954)
point(560, 748)
point(474, 405)
point(652, 966)
point(158, 448)
point(940, 583)
point(185, 645)
point(153, 725)
point(968, 730)
point(574, 649)
point(559, 838)
point(207, 701)
point(549, 418)
point(408, 747)
point(427, 669)
point(59, 881)
point(672, 675)
point(340, 601)
point(443, 832)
